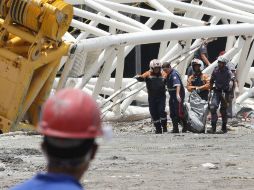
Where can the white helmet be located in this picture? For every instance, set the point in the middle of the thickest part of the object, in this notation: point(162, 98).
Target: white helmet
point(222, 60)
point(198, 62)
point(155, 63)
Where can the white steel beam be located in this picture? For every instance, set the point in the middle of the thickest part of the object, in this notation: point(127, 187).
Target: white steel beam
point(244, 66)
point(104, 73)
point(114, 14)
point(106, 21)
point(247, 2)
point(88, 28)
point(165, 35)
point(218, 5)
point(119, 76)
point(152, 14)
point(94, 67)
point(239, 5)
point(208, 11)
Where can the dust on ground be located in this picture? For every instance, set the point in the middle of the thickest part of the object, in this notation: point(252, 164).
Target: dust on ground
point(138, 159)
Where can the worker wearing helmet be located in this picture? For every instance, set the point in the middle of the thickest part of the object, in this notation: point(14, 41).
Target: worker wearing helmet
point(220, 78)
point(177, 94)
point(190, 70)
point(70, 123)
point(155, 84)
point(198, 81)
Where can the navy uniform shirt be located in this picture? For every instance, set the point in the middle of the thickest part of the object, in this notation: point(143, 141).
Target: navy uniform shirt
point(50, 181)
point(173, 80)
point(155, 83)
point(221, 78)
point(201, 50)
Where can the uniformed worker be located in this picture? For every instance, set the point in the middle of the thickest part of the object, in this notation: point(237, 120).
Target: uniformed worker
point(198, 81)
point(190, 70)
point(155, 83)
point(202, 54)
point(177, 94)
point(220, 78)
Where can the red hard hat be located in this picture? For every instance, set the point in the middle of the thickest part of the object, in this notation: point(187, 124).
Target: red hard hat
point(70, 113)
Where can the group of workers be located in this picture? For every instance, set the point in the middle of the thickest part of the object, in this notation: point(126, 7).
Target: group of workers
point(70, 120)
point(157, 82)
point(162, 77)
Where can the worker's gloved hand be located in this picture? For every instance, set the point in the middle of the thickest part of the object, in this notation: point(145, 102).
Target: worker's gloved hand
point(179, 99)
point(237, 92)
point(197, 90)
point(231, 84)
point(139, 78)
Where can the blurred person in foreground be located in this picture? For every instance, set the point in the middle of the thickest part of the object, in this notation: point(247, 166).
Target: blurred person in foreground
point(70, 122)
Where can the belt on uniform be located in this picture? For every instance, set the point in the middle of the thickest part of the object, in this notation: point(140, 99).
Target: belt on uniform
point(171, 89)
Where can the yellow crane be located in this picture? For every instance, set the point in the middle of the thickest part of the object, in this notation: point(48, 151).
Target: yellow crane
point(30, 53)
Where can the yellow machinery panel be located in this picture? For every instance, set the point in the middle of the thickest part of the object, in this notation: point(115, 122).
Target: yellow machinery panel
point(30, 52)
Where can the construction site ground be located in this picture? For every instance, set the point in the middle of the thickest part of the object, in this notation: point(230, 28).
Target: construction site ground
point(138, 159)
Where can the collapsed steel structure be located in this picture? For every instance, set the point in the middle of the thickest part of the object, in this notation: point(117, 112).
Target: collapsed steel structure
point(97, 52)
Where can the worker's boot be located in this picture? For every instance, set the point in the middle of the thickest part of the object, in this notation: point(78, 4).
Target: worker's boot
point(185, 126)
point(175, 126)
point(164, 126)
point(165, 129)
point(158, 129)
point(213, 129)
point(224, 128)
